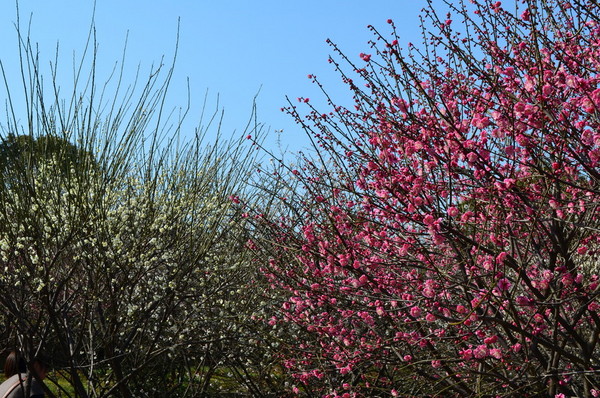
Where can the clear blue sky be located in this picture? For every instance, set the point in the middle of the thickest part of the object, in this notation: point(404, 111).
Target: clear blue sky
point(232, 48)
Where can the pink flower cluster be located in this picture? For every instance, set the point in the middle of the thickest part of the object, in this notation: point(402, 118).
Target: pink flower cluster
point(452, 233)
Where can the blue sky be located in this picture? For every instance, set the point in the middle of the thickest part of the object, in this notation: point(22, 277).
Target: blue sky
point(230, 48)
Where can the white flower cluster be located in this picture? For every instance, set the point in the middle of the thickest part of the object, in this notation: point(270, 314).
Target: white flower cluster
point(130, 264)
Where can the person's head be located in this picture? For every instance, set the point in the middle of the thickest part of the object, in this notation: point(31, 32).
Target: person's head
point(40, 368)
point(14, 364)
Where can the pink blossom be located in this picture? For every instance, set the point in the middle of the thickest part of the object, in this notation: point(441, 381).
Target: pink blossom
point(503, 284)
point(452, 211)
point(466, 216)
point(365, 57)
point(496, 353)
point(516, 347)
point(415, 311)
point(481, 351)
point(501, 257)
point(466, 354)
point(490, 340)
point(363, 279)
point(428, 219)
point(524, 301)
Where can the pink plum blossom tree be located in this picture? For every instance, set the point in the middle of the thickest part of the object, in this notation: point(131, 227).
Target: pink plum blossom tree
point(443, 239)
